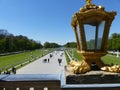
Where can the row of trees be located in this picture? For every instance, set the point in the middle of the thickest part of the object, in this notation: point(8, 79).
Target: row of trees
point(51, 45)
point(113, 42)
point(71, 45)
point(11, 43)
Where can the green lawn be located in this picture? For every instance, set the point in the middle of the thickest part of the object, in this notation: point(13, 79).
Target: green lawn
point(11, 59)
point(110, 59)
point(77, 55)
point(21, 57)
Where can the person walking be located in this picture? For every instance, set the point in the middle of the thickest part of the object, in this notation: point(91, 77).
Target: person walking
point(48, 60)
point(14, 70)
point(59, 61)
point(7, 72)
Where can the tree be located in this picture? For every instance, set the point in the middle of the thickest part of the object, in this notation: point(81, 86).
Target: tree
point(2, 45)
point(114, 42)
point(71, 45)
point(51, 45)
point(46, 45)
point(11, 43)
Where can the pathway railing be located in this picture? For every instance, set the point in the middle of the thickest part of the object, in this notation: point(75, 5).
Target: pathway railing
point(68, 54)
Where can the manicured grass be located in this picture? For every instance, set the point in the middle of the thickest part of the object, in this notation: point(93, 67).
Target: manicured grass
point(15, 58)
point(67, 58)
point(11, 59)
point(110, 59)
point(78, 55)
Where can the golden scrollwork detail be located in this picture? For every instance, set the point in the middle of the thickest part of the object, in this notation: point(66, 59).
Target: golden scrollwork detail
point(114, 68)
point(80, 67)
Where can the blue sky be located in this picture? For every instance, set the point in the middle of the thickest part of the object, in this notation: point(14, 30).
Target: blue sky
point(48, 20)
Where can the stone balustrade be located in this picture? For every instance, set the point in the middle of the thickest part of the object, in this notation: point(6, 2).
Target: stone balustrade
point(48, 82)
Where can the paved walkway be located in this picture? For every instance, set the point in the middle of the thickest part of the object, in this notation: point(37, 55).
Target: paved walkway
point(41, 67)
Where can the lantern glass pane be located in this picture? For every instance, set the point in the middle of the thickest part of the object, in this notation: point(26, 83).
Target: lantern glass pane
point(94, 35)
point(90, 36)
point(100, 34)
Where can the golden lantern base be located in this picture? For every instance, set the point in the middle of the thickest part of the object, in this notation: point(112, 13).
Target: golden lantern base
point(93, 58)
point(92, 61)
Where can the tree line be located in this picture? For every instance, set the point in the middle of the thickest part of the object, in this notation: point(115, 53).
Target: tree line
point(71, 45)
point(51, 45)
point(114, 42)
point(11, 43)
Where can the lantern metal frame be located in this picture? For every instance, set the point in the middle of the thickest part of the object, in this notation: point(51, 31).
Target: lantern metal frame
point(92, 15)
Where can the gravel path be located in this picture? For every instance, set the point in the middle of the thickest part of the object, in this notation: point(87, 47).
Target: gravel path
point(41, 67)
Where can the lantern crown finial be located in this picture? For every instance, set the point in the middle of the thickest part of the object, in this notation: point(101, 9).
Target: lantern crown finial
point(89, 6)
point(88, 1)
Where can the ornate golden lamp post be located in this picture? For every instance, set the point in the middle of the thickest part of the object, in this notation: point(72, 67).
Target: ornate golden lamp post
point(91, 26)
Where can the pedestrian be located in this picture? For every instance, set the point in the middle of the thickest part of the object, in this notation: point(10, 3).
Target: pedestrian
point(59, 61)
point(4, 72)
point(7, 72)
point(51, 55)
point(45, 60)
point(14, 70)
point(48, 60)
